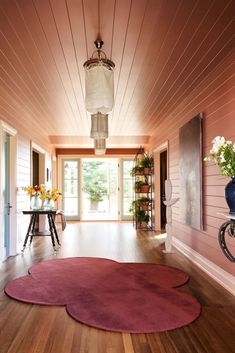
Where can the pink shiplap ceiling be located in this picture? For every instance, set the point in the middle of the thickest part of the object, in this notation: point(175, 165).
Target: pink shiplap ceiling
point(161, 48)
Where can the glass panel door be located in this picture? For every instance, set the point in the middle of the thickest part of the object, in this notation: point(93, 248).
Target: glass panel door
point(127, 189)
point(70, 190)
point(100, 189)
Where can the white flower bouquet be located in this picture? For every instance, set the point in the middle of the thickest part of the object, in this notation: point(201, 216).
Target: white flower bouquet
point(223, 155)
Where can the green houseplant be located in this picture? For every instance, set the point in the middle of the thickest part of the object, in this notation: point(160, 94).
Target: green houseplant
point(138, 208)
point(141, 218)
point(142, 186)
point(137, 170)
point(143, 203)
point(147, 163)
point(95, 184)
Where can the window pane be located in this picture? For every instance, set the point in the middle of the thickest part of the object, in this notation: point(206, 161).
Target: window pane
point(71, 188)
point(71, 170)
point(71, 206)
point(100, 188)
point(127, 186)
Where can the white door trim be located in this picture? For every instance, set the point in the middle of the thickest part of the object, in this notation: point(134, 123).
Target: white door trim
point(5, 128)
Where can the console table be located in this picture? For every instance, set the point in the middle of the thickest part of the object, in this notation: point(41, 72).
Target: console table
point(226, 233)
point(31, 232)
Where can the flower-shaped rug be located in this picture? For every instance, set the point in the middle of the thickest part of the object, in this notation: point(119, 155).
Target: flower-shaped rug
point(122, 297)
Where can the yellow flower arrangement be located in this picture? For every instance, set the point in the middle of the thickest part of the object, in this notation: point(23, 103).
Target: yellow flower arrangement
point(36, 190)
point(53, 194)
point(42, 192)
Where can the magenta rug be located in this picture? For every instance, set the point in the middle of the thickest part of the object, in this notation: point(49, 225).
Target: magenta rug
point(122, 297)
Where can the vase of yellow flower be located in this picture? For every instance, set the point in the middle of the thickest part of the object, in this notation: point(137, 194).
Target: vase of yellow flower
point(41, 197)
point(50, 197)
point(35, 203)
point(48, 204)
point(35, 196)
point(223, 155)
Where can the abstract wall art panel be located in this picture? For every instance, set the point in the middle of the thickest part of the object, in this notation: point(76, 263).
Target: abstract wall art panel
point(190, 164)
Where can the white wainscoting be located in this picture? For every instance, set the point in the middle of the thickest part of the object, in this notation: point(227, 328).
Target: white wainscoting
point(224, 278)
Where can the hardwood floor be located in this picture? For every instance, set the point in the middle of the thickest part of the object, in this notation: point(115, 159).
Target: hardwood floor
point(26, 328)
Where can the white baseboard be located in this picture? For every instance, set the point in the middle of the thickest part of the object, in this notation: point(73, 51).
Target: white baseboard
point(224, 278)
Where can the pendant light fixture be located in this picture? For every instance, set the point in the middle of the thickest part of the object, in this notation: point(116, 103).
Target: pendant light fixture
point(99, 126)
point(100, 146)
point(99, 82)
point(99, 94)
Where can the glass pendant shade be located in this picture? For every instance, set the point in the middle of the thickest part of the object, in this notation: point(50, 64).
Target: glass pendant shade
point(99, 85)
point(100, 146)
point(99, 126)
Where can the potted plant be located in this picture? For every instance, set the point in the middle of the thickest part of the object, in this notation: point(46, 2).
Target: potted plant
point(95, 184)
point(137, 170)
point(147, 163)
point(143, 203)
point(141, 218)
point(141, 186)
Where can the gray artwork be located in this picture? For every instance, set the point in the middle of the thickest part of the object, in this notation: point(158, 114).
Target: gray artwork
point(190, 172)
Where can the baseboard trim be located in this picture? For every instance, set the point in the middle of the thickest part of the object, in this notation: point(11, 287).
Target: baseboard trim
point(224, 278)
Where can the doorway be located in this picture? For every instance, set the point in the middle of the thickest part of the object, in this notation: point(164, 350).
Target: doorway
point(99, 189)
point(96, 188)
point(163, 177)
point(35, 171)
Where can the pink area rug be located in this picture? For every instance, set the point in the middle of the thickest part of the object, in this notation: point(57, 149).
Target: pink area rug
point(122, 297)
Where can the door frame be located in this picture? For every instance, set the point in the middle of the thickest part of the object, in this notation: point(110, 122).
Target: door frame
point(60, 175)
point(61, 157)
point(157, 192)
point(117, 159)
point(5, 128)
point(41, 175)
point(122, 217)
point(42, 156)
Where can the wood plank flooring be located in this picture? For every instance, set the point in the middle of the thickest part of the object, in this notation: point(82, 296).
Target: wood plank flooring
point(26, 328)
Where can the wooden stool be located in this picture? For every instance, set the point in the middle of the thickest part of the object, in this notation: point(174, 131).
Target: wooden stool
point(62, 218)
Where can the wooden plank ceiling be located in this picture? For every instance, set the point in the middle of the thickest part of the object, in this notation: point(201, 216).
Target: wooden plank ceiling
point(162, 49)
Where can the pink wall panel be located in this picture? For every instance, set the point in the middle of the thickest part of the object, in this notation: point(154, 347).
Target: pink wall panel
point(215, 98)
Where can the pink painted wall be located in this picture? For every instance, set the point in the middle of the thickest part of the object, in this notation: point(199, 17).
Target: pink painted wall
point(215, 98)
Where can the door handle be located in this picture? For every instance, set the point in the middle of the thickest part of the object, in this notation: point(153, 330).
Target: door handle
point(8, 208)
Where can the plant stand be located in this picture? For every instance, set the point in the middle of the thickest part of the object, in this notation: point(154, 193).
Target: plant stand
point(143, 193)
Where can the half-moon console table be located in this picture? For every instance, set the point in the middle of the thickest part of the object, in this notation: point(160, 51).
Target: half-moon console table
point(226, 234)
point(31, 232)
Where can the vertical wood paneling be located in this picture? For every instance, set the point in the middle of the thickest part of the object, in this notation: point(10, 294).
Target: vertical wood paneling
point(23, 179)
point(214, 97)
point(162, 50)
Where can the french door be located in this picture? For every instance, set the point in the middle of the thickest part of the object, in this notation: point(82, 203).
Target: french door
point(97, 188)
point(127, 188)
point(70, 188)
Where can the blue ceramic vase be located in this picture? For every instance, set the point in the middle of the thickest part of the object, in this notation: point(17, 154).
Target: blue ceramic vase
point(230, 195)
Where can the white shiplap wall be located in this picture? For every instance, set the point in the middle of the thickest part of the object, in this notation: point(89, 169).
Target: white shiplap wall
point(23, 179)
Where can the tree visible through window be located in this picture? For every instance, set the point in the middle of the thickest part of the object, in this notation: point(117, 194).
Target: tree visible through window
point(94, 182)
point(100, 189)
